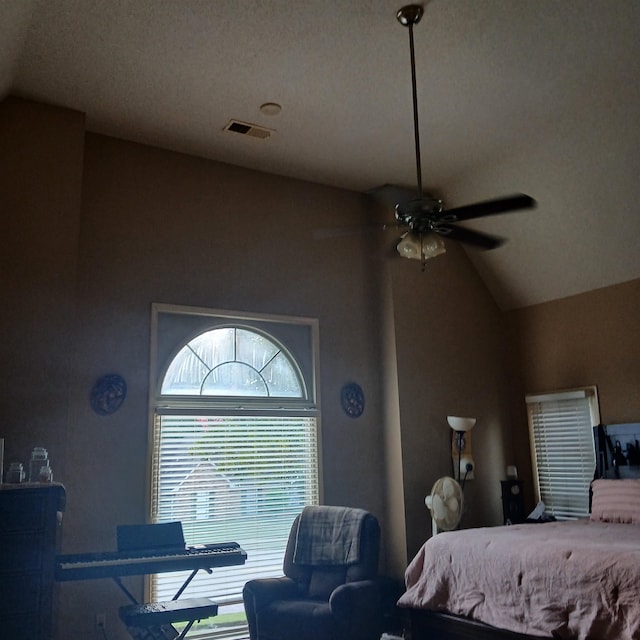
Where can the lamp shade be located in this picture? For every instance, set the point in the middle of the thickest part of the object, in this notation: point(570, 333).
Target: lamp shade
point(461, 424)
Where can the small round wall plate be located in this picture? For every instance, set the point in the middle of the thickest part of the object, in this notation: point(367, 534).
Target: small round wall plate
point(352, 399)
point(108, 394)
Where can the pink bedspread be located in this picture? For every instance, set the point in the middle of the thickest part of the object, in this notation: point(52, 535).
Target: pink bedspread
point(578, 579)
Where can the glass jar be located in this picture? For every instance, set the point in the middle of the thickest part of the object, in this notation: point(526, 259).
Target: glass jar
point(45, 475)
point(39, 458)
point(15, 474)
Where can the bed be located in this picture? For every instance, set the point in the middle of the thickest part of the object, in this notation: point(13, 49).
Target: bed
point(578, 580)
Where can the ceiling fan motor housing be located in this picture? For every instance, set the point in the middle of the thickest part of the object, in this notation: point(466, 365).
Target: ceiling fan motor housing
point(420, 215)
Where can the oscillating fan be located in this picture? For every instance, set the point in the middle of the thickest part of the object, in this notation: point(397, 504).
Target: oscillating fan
point(445, 504)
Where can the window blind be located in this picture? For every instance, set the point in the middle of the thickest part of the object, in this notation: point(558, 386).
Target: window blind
point(232, 478)
point(563, 450)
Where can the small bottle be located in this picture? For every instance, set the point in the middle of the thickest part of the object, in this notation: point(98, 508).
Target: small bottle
point(39, 458)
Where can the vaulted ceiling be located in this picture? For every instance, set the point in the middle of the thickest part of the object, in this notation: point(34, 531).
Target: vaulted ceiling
point(533, 96)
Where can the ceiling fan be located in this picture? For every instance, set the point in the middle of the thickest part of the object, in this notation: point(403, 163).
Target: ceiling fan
point(426, 217)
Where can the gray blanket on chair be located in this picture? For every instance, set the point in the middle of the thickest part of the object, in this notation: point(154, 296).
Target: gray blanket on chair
point(328, 536)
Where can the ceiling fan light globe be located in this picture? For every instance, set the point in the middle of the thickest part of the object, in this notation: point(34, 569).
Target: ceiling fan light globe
point(409, 246)
point(432, 245)
point(419, 246)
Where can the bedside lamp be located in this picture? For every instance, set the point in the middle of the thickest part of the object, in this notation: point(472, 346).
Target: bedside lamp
point(461, 447)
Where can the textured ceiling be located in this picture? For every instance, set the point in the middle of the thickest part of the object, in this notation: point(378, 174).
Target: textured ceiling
point(533, 96)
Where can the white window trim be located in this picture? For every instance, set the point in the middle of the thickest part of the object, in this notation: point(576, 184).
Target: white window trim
point(158, 308)
point(232, 408)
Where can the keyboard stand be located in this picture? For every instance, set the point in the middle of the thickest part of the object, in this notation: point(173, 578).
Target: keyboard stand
point(154, 621)
point(185, 584)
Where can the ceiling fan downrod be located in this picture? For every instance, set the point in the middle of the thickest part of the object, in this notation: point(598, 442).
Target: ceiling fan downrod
point(408, 16)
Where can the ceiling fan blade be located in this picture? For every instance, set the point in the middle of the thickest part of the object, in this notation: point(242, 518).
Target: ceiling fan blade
point(489, 208)
point(467, 236)
point(388, 195)
point(353, 230)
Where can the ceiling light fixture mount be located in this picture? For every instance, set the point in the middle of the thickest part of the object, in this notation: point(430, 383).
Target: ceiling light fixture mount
point(410, 15)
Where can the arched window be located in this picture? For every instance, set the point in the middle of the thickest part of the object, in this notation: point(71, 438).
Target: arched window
point(235, 443)
point(230, 362)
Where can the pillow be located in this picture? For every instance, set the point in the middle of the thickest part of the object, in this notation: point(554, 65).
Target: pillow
point(616, 501)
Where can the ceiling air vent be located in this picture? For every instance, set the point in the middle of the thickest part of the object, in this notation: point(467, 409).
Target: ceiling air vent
point(247, 129)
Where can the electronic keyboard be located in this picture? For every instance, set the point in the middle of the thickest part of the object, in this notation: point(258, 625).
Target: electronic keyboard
point(89, 566)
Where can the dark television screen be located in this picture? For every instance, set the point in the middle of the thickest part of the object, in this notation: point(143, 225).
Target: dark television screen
point(617, 450)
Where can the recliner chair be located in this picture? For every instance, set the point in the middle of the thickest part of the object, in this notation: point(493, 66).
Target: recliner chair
point(320, 600)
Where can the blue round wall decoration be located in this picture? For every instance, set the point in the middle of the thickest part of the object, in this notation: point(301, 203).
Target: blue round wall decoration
point(108, 394)
point(352, 399)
